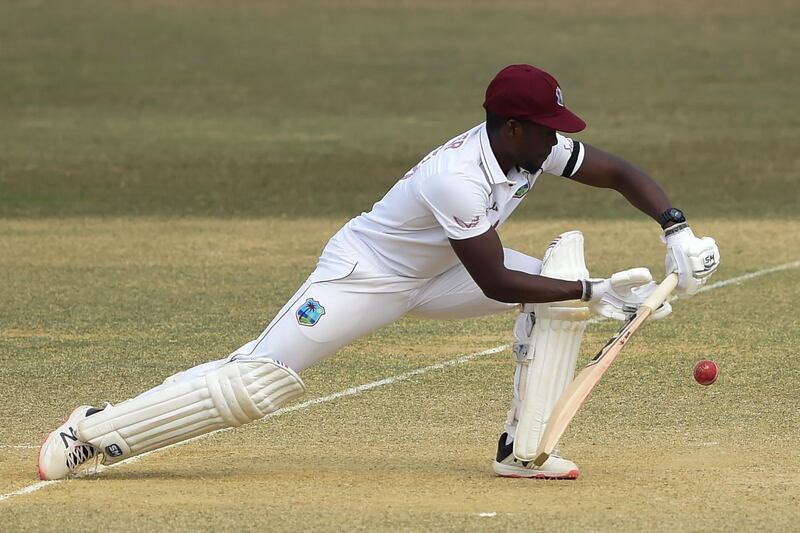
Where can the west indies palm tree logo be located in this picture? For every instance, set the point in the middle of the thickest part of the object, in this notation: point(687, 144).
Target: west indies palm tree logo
point(310, 312)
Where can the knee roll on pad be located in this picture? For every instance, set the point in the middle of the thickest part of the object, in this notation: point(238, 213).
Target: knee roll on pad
point(233, 394)
point(549, 363)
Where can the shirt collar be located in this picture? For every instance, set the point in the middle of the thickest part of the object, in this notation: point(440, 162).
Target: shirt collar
point(490, 165)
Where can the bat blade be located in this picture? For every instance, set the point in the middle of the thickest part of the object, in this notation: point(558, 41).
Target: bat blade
point(576, 392)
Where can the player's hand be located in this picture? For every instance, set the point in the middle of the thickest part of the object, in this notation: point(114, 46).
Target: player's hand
point(692, 258)
point(620, 296)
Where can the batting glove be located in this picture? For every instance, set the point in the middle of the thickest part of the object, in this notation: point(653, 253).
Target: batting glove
point(620, 296)
point(694, 259)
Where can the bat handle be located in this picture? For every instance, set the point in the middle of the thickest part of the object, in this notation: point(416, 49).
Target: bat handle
point(662, 292)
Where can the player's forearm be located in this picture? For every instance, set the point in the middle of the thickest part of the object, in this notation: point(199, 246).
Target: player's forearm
point(642, 192)
point(608, 171)
point(518, 287)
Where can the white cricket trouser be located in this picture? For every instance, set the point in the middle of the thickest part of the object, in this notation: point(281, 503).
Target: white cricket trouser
point(359, 298)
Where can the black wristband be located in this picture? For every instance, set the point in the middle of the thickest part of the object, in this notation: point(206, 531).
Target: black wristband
point(586, 294)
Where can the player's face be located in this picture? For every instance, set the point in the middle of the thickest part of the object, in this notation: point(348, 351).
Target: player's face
point(534, 145)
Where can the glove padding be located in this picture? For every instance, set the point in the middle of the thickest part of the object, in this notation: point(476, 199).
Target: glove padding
point(620, 296)
point(693, 259)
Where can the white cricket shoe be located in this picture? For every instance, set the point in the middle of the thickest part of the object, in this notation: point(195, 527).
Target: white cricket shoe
point(61, 452)
point(506, 465)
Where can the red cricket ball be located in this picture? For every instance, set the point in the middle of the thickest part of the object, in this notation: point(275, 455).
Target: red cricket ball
point(706, 372)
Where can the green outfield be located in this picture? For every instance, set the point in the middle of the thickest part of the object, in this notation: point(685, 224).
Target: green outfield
point(170, 171)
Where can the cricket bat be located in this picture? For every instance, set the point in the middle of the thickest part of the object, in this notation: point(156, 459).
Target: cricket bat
point(576, 392)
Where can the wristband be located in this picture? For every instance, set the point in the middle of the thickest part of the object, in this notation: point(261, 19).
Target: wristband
point(586, 293)
point(672, 230)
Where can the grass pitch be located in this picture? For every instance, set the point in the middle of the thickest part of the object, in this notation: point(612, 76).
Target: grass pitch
point(315, 108)
point(169, 172)
point(102, 309)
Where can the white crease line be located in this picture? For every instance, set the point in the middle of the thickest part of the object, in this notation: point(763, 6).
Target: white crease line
point(28, 489)
point(751, 275)
point(341, 394)
point(387, 381)
point(297, 407)
point(20, 446)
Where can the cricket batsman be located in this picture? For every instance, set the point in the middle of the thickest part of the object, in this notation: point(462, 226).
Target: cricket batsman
point(428, 248)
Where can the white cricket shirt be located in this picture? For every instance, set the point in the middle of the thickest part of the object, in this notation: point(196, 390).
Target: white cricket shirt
point(456, 192)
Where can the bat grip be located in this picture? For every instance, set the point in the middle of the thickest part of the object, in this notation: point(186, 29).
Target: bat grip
point(662, 292)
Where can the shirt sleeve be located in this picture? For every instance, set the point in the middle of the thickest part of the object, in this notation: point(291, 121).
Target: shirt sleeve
point(458, 203)
point(565, 158)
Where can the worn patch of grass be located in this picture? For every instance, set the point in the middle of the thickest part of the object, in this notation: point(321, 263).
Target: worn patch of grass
point(101, 309)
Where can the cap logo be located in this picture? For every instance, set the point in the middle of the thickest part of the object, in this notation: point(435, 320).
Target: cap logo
point(559, 97)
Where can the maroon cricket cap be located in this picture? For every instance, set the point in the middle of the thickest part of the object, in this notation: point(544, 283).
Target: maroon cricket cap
point(528, 93)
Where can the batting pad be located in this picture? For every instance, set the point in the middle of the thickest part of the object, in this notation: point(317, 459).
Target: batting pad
point(238, 392)
point(554, 345)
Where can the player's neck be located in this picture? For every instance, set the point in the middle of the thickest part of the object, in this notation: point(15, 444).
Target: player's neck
point(502, 156)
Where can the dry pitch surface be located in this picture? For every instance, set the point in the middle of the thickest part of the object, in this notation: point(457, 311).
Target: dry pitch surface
point(102, 309)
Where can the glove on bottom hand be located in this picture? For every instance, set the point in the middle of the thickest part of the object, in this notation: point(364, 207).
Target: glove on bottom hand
point(620, 296)
point(695, 260)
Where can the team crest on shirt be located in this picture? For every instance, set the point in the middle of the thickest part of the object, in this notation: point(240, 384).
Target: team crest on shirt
point(309, 313)
point(522, 191)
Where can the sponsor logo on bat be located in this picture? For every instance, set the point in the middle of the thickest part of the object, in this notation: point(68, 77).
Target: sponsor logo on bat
point(620, 338)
